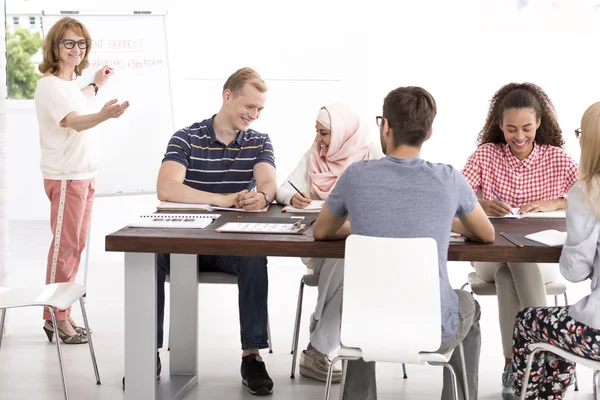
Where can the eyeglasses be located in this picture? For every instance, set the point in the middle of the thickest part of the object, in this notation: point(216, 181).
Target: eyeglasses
point(379, 120)
point(578, 133)
point(69, 44)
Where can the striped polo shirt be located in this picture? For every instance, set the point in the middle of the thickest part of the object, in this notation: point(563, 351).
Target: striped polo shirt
point(213, 166)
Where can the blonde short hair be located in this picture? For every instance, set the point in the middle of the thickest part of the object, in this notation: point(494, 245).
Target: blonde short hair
point(236, 82)
point(50, 45)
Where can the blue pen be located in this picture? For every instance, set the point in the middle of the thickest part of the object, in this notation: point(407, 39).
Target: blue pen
point(252, 184)
point(499, 198)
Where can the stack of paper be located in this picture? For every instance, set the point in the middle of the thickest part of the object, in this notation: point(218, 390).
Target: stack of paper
point(549, 238)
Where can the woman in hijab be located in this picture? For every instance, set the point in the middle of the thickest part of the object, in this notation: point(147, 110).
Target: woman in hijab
point(341, 140)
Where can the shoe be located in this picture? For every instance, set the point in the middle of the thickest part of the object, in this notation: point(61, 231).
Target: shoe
point(255, 375)
point(79, 329)
point(315, 365)
point(74, 339)
point(508, 385)
point(158, 369)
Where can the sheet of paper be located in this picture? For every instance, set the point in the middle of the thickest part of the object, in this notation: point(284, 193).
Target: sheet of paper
point(314, 207)
point(549, 237)
point(547, 214)
point(170, 206)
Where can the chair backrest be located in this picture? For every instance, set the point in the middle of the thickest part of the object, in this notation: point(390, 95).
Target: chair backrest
point(391, 308)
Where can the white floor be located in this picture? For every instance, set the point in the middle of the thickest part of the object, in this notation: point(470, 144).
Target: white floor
point(29, 366)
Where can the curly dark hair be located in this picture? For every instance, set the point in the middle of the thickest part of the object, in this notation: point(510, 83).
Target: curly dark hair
point(522, 95)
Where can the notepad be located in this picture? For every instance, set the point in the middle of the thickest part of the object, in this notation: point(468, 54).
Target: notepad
point(171, 206)
point(547, 214)
point(550, 237)
point(314, 207)
point(193, 221)
point(257, 227)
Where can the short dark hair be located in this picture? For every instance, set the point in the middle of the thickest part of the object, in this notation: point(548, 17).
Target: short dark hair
point(410, 112)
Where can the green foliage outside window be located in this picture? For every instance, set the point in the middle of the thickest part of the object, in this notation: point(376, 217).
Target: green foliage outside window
point(21, 74)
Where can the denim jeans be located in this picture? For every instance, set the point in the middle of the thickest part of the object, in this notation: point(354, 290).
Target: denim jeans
point(253, 286)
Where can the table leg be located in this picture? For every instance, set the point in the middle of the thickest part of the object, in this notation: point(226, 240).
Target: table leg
point(140, 326)
point(184, 324)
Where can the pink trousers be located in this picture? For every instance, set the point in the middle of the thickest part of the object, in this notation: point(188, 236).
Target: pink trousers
point(70, 211)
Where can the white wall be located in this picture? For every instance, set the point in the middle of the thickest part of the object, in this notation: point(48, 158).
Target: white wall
point(308, 56)
point(462, 52)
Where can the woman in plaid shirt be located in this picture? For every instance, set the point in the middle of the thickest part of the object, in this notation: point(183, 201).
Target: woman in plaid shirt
point(520, 159)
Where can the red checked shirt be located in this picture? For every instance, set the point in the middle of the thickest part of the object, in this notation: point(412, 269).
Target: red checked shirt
point(547, 173)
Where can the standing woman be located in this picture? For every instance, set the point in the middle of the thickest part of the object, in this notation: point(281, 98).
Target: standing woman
point(68, 162)
point(519, 164)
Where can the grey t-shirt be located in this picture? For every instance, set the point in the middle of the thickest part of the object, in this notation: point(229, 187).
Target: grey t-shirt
point(406, 197)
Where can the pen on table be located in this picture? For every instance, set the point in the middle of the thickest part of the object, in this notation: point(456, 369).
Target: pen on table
point(500, 199)
point(511, 239)
point(296, 189)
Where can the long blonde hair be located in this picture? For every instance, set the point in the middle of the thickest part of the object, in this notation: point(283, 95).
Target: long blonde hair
point(589, 165)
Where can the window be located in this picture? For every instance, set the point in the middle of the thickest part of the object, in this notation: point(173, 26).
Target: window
point(15, 21)
point(32, 21)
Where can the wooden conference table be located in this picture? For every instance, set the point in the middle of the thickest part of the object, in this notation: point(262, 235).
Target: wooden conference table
point(140, 245)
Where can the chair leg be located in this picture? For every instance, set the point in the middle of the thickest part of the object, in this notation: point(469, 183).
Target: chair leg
point(596, 374)
point(343, 383)
point(463, 365)
point(269, 335)
point(296, 337)
point(2, 320)
point(60, 359)
point(576, 380)
point(454, 380)
point(566, 299)
point(404, 371)
point(555, 301)
point(91, 345)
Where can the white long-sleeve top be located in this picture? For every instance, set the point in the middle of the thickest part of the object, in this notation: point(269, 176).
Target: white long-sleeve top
point(580, 257)
point(301, 179)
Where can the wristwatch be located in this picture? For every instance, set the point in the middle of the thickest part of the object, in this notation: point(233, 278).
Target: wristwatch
point(267, 199)
point(95, 88)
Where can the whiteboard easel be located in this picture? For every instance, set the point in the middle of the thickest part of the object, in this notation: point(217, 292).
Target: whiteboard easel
point(118, 40)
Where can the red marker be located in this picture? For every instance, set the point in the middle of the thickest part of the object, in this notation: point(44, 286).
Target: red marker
point(107, 71)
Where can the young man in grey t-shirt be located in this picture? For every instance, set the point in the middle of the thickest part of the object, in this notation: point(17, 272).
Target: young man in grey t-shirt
point(403, 195)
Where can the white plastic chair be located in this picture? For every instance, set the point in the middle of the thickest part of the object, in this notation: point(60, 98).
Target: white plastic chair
point(223, 278)
point(555, 288)
point(59, 295)
point(375, 316)
point(312, 280)
point(537, 347)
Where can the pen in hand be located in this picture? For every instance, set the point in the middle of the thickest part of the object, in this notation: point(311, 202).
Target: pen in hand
point(299, 192)
point(500, 199)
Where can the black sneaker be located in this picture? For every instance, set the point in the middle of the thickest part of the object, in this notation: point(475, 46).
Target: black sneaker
point(255, 376)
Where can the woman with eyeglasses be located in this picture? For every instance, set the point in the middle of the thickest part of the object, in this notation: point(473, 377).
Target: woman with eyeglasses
point(519, 167)
point(68, 162)
point(341, 139)
point(574, 328)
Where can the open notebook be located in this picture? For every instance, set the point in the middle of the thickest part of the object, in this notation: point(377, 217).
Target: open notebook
point(170, 206)
point(550, 237)
point(548, 214)
point(314, 207)
point(174, 220)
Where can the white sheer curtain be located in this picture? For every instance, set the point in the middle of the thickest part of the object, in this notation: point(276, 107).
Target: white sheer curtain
point(3, 144)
